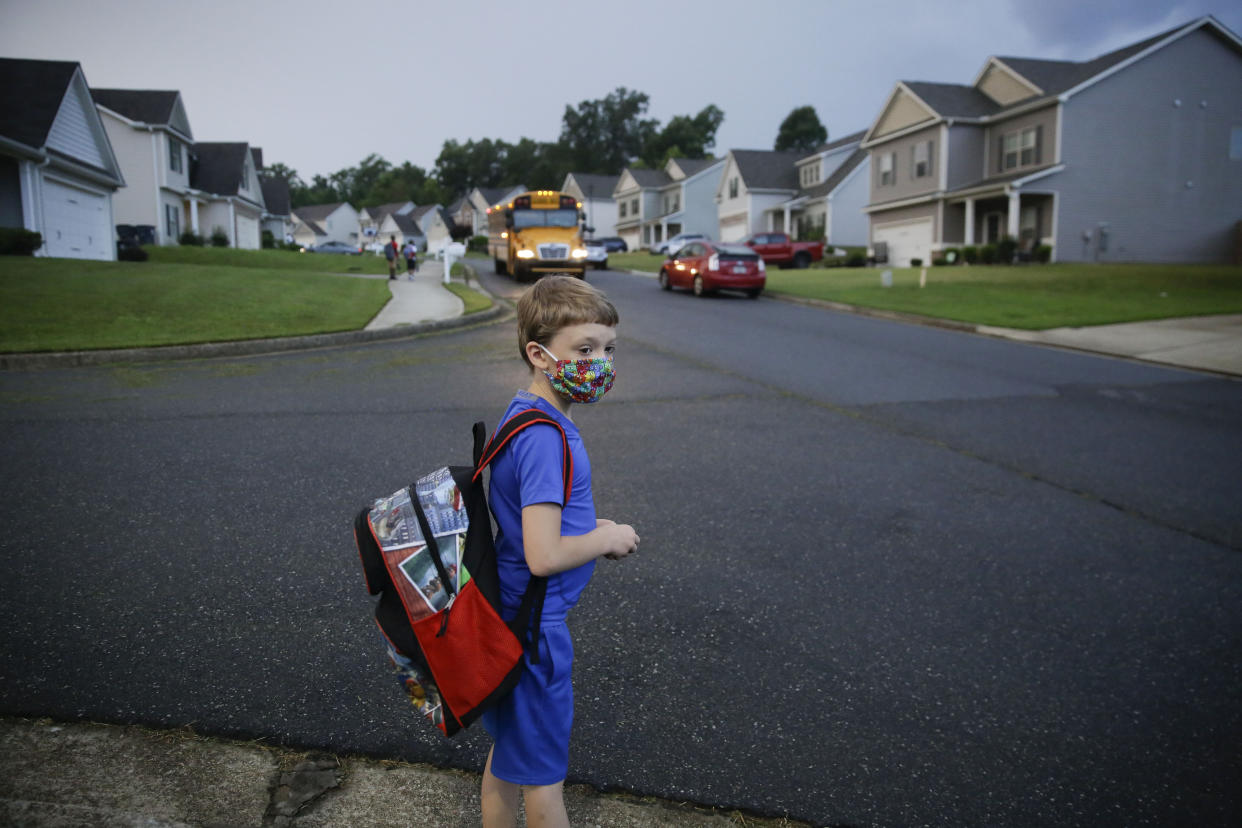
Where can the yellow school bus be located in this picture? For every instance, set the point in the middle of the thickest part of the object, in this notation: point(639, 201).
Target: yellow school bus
point(537, 232)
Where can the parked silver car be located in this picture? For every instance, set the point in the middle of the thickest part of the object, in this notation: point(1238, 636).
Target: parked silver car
point(597, 254)
point(670, 246)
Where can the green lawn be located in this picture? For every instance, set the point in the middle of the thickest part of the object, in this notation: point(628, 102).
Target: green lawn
point(635, 260)
point(65, 304)
point(273, 259)
point(1033, 297)
point(471, 298)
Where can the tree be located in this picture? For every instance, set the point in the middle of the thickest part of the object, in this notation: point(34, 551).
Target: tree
point(801, 131)
point(606, 134)
point(684, 137)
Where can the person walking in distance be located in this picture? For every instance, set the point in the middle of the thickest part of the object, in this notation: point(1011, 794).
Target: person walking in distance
point(410, 251)
point(391, 252)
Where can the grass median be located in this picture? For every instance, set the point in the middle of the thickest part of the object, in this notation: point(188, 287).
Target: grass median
point(64, 304)
point(1031, 297)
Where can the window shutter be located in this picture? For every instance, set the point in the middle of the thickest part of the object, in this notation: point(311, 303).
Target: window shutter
point(1000, 154)
point(1039, 144)
point(931, 157)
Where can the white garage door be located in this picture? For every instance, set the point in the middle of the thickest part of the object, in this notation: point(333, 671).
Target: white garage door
point(247, 233)
point(733, 231)
point(907, 240)
point(75, 223)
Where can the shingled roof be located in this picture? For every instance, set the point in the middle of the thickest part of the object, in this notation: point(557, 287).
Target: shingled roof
point(30, 95)
point(148, 106)
point(768, 169)
point(275, 194)
point(596, 185)
point(316, 212)
point(218, 167)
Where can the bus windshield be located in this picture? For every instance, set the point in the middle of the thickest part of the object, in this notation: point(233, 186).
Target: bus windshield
point(544, 218)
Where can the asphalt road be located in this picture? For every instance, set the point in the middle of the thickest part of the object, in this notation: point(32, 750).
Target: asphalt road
point(890, 575)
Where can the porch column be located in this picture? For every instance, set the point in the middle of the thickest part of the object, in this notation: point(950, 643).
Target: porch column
point(970, 221)
point(786, 228)
point(194, 216)
point(1011, 224)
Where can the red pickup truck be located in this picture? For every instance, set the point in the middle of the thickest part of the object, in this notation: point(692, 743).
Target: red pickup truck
point(777, 249)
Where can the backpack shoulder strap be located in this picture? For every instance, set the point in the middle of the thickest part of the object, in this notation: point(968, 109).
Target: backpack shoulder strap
point(519, 421)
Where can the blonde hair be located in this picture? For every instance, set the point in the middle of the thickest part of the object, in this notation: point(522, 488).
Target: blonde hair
point(556, 302)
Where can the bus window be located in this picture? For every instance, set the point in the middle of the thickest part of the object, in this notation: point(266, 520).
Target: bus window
point(544, 218)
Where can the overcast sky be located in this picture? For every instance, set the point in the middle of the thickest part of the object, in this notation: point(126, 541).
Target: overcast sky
point(319, 85)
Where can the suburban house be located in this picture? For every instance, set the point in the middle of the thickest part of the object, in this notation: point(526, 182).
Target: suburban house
point(318, 223)
point(404, 226)
point(437, 226)
point(370, 218)
point(462, 212)
point(484, 198)
point(277, 216)
point(834, 190)
point(1135, 155)
point(58, 171)
point(752, 190)
point(595, 193)
point(151, 136)
point(225, 173)
point(654, 205)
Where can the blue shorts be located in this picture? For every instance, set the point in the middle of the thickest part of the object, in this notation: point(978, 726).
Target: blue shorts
point(531, 725)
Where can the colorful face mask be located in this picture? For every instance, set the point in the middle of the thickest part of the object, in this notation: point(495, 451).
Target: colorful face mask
point(581, 380)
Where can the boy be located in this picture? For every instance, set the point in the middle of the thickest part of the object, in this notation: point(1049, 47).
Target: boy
point(567, 335)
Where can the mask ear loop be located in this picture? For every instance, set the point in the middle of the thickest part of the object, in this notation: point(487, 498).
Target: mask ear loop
point(546, 351)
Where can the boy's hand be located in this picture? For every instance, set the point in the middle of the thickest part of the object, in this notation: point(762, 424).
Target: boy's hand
point(620, 539)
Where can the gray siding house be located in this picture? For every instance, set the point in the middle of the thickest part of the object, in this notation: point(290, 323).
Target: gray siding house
point(1133, 156)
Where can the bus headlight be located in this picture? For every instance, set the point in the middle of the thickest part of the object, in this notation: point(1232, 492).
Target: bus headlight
point(526, 254)
point(579, 253)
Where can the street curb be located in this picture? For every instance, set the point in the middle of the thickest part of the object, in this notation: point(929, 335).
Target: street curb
point(877, 313)
point(244, 347)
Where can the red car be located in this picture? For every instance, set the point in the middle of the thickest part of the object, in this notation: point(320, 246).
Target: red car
point(708, 266)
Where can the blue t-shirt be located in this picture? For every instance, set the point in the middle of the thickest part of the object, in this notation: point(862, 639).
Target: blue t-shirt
point(526, 472)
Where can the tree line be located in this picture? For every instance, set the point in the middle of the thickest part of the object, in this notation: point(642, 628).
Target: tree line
point(601, 136)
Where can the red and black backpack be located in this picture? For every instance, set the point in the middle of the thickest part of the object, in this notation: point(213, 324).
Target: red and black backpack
point(427, 550)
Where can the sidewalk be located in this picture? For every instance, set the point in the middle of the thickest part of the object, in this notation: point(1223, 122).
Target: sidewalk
point(422, 298)
point(61, 775)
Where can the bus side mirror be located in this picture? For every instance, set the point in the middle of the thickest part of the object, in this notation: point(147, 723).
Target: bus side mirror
point(586, 229)
point(508, 219)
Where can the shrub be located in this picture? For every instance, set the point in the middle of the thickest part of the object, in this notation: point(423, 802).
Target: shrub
point(916, 262)
point(478, 244)
point(939, 261)
point(1005, 250)
point(131, 253)
point(17, 241)
point(269, 240)
point(987, 253)
point(190, 239)
point(856, 260)
point(1043, 253)
point(955, 258)
point(970, 254)
point(219, 238)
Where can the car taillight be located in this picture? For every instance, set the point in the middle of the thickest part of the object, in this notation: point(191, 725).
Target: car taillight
point(714, 262)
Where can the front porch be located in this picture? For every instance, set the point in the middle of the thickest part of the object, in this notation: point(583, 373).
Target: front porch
point(986, 217)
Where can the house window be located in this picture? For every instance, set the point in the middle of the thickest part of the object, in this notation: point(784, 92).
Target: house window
point(1020, 149)
point(633, 206)
point(676, 202)
point(921, 159)
point(621, 210)
point(245, 179)
point(174, 154)
point(733, 187)
point(172, 221)
point(888, 166)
